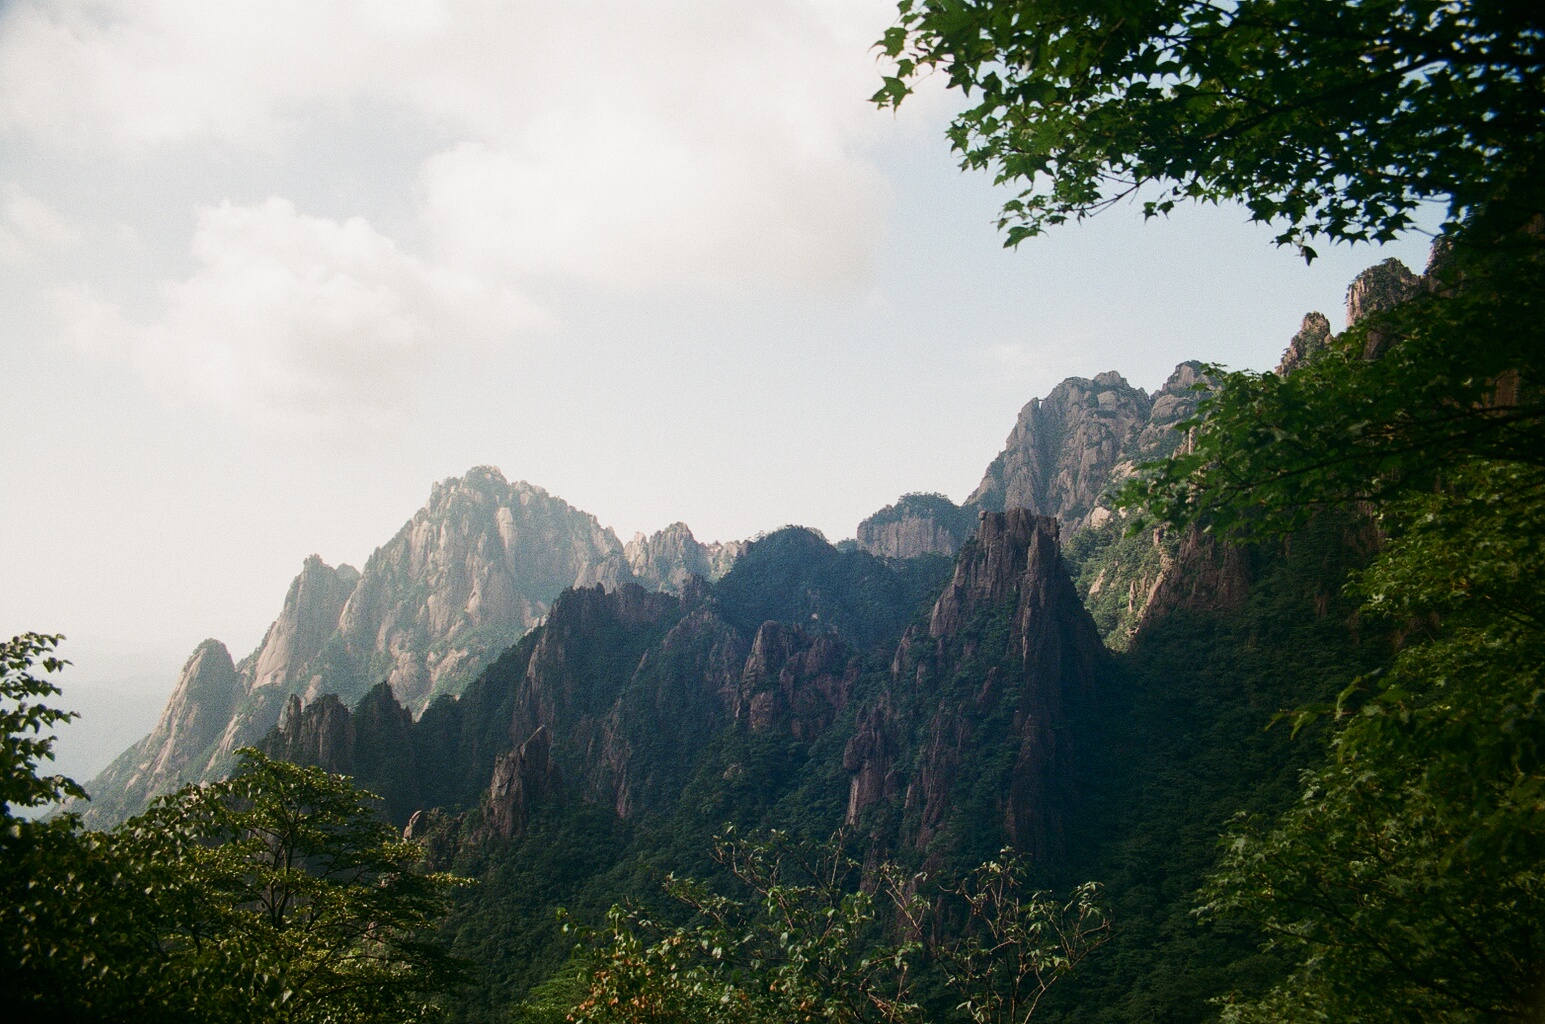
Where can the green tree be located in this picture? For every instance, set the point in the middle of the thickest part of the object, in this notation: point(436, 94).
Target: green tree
point(1409, 875)
point(814, 936)
point(280, 894)
point(23, 724)
point(298, 901)
point(1407, 879)
point(1329, 118)
point(1013, 943)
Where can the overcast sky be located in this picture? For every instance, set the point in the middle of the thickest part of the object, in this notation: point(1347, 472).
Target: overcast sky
point(270, 269)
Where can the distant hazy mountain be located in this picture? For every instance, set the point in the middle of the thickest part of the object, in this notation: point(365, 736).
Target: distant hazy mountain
point(467, 576)
point(667, 560)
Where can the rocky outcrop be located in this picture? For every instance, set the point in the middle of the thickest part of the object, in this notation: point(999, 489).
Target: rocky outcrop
point(1068, 451)
point(288, 660)
point(1020, 692)
point(521, 778)
point(307, 621)
point(467, 576)
point(917, 524)
point(195, 716)
point(612, 701)
point(666, 560)
point(320, 733)
point(1206, 575)
point(795, 681)
point(1312, 338)
point(871, 756)
point(1380, 288)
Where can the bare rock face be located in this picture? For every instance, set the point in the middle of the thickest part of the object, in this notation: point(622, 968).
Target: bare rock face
point(1312, 337)
point(667, 560)
point(307, 621)
point(795, 681)
point(1206, 575)
point(521, 778)
point(194, 717)
point(319, 733)
point(468, 575)
point(871, 757)
point(1068, 450)
point(918, 524)
point(1379, 288)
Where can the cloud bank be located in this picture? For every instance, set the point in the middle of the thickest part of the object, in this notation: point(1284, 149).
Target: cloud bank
point(638, 147)
point(317, 321)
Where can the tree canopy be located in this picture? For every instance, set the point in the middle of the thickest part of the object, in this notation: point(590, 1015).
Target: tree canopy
point(280, 894)
point(1327, 118)
point(1407, 878)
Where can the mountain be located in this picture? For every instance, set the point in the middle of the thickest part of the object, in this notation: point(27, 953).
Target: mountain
point(668, 559)
point(465, 577)
point(1018, 670)
point(1067, 450)
point(617, 696)
point(968, 729)
point(937, 710)
point(916, 525)
point(808, 687)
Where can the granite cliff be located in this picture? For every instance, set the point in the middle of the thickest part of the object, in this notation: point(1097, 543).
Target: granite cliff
point(465, 577)
point(668, 559)
point(622, 698)
point(1067, 450)
point(917, 524)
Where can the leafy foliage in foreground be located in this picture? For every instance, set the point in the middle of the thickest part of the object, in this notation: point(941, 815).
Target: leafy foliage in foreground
point(1331, 118)
point(1406, 881)
point(1409, 876)
point(813, 937)
point(278, 895)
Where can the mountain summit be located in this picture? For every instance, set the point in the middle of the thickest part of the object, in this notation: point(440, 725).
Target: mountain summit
point(469, 574)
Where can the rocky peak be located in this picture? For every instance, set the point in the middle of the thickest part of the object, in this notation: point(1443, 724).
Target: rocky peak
point(1059, 458)
point(1009, 548)
point(194, 717)
point(307, 620)
point(917, 524)
point(795, 680)
point(668, 559)
point(320, 733)
point(1312, 337)
point(469, 574)
point(1379, 288)
point(1049, 664)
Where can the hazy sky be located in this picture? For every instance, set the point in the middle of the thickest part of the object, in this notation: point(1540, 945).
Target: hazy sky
point(271, 269)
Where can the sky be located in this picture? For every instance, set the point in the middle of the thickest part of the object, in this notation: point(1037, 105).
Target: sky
point(270, 270)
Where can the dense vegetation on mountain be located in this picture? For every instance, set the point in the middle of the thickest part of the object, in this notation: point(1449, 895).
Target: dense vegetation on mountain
point(1405, 883)
point(611, 746)
point(1331, 615)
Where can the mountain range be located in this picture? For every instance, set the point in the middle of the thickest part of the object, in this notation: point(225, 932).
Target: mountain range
point(568, 718)
point(481, 563)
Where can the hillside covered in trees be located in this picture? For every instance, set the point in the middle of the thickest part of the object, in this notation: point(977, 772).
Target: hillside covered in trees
point(1241, 717)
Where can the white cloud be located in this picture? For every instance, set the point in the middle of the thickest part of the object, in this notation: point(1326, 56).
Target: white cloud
point(30, 228)
point(635, 144)
point(128, 74)
point(298, 319)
